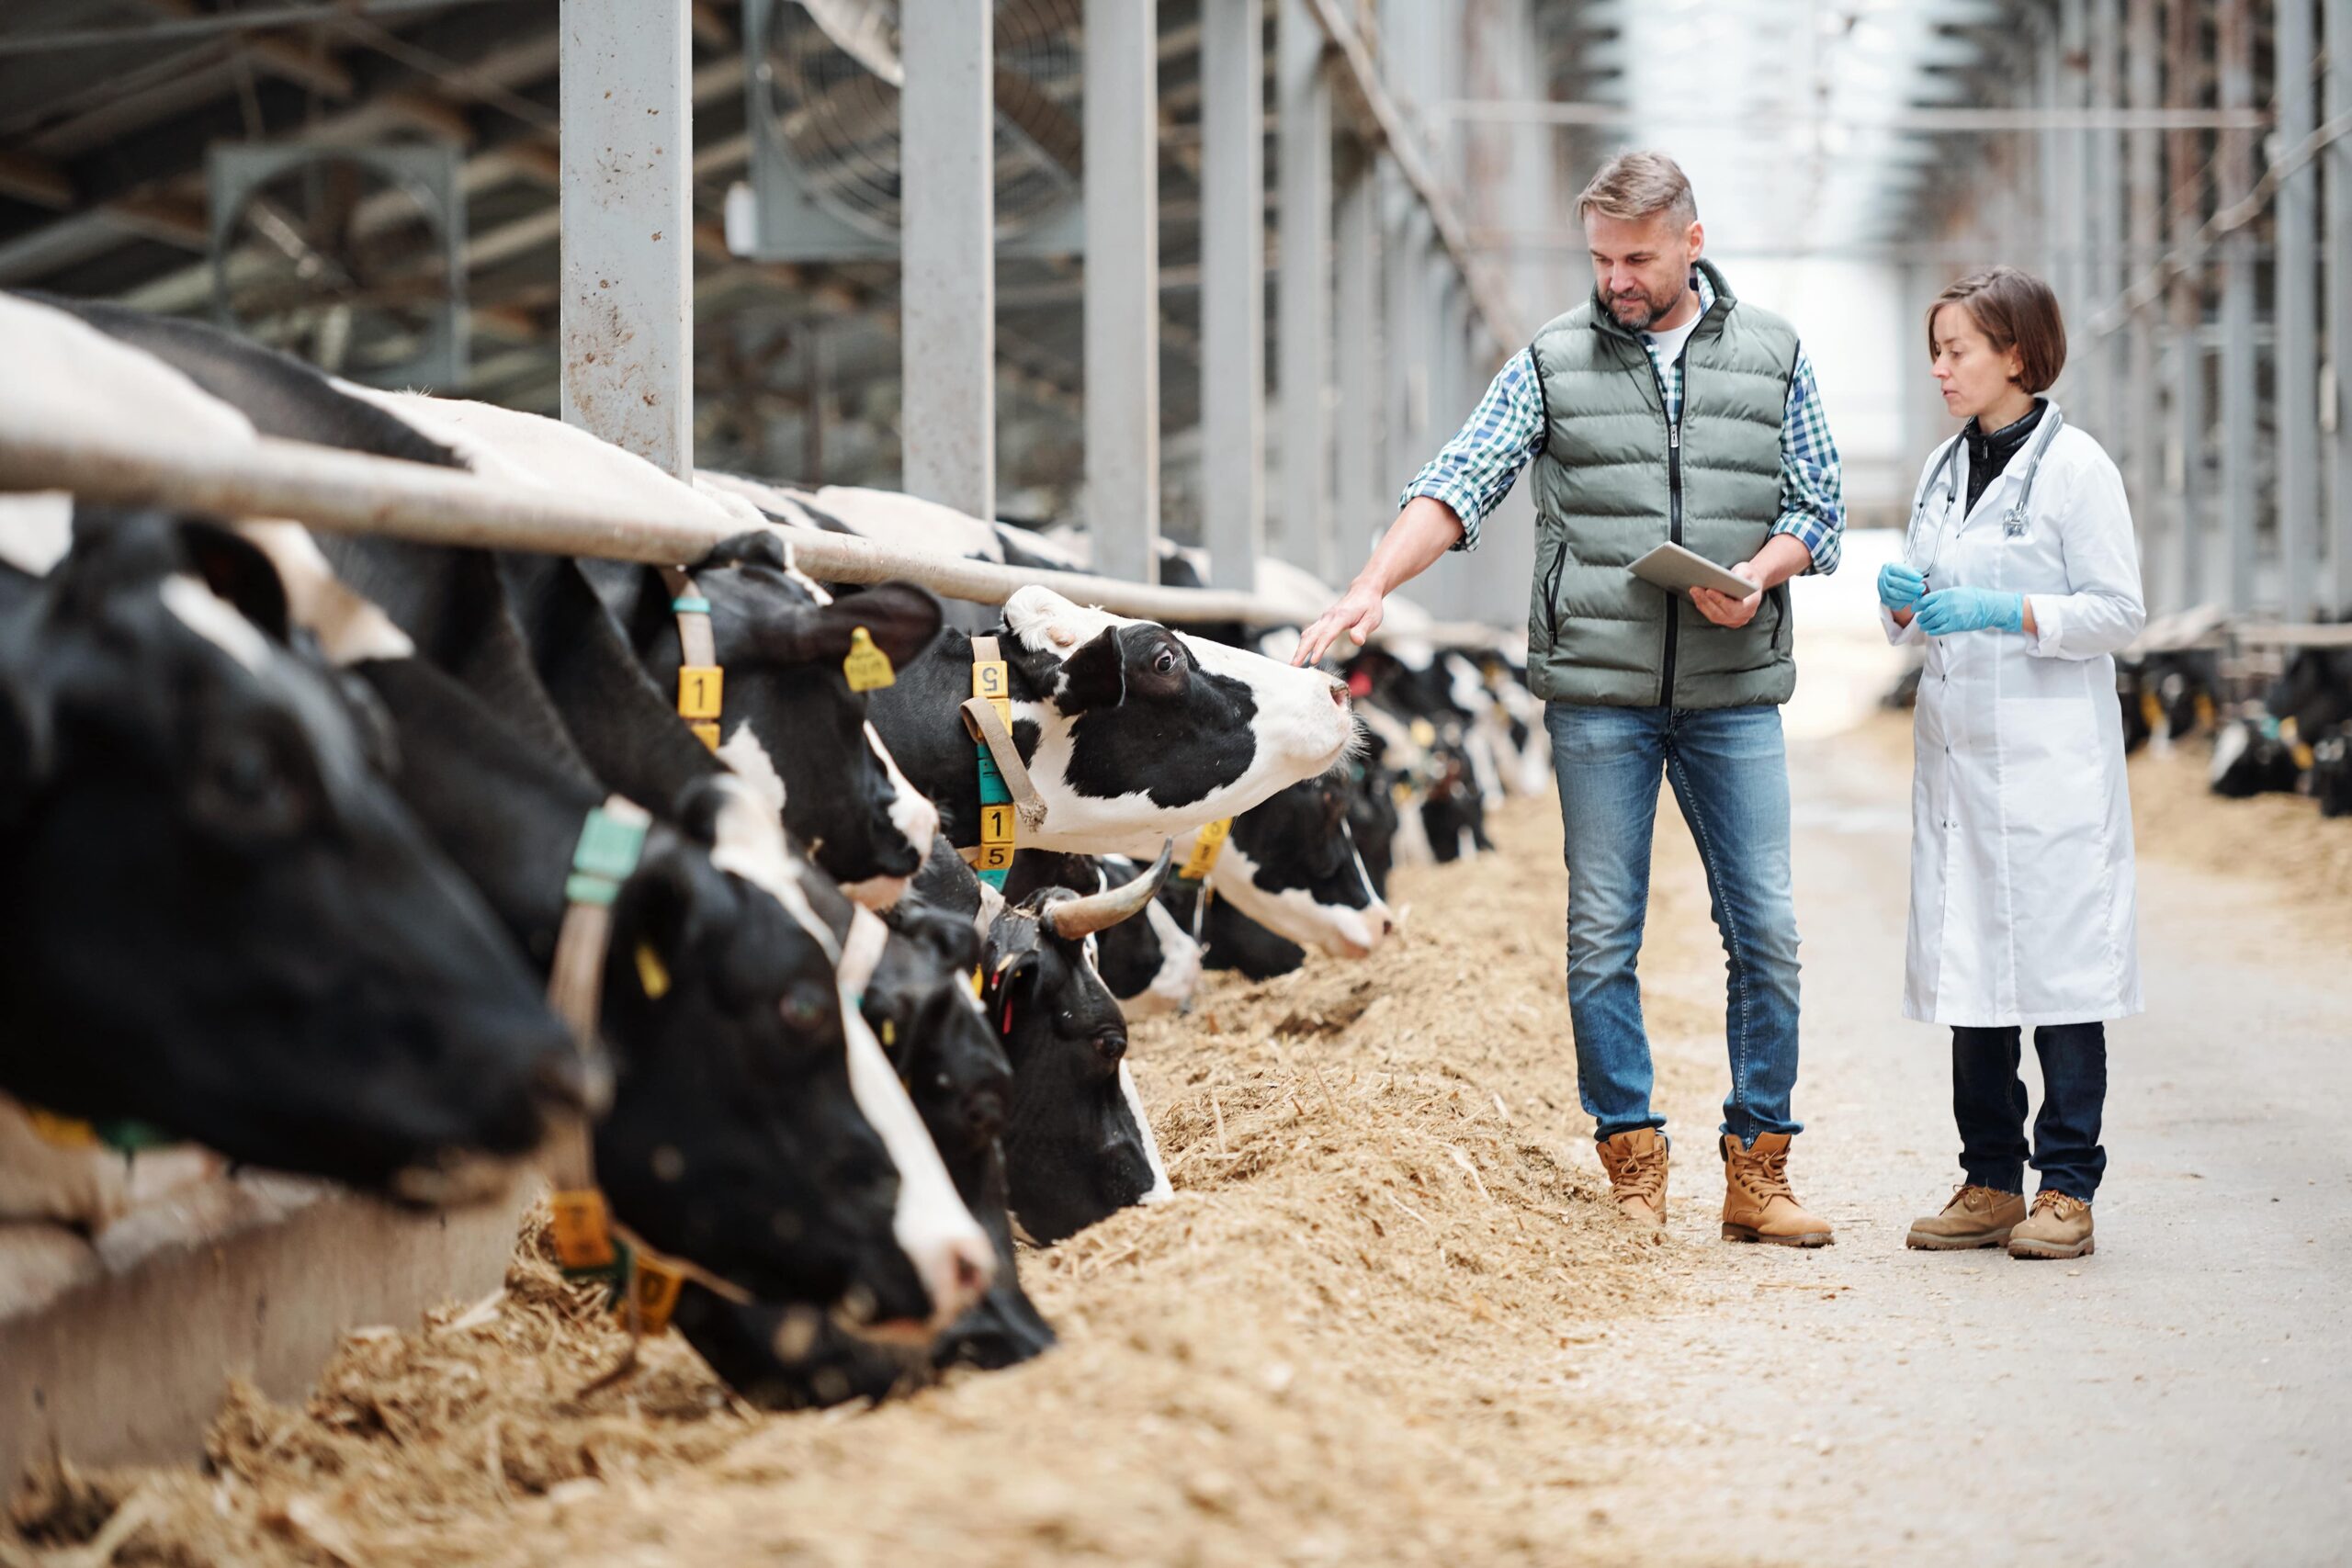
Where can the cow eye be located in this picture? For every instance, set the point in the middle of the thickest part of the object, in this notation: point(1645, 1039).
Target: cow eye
point(1165, 662)
point(804, 1008)
point(245, 787)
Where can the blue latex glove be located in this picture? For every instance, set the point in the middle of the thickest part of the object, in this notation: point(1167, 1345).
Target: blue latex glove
point(1950, 610)
point(1899, 587)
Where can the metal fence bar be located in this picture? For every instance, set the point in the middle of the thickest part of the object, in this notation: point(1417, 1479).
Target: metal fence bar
point(351, 492)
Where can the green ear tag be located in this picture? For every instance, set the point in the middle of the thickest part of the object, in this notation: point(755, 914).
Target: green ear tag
point(867, 666)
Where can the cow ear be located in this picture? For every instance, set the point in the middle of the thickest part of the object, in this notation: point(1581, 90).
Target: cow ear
point(239, 572)
point(902, 619)
point(1095, 676)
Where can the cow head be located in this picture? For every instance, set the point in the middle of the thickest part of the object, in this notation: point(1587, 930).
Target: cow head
point(1144, 733)
point(1078, 1146)
point(1151, 963)
point(793, 724)
point(219, 917)
point(1292, 865)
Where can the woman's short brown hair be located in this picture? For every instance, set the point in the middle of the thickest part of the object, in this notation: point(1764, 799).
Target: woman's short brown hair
point(2014, 309)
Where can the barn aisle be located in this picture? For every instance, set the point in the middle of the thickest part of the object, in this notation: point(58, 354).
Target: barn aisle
point(2155, 1403)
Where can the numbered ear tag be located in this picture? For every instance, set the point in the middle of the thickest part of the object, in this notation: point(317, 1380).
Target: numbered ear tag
point(651, 973)
point(996, 857)
point(581, 1231)
point(1424, 733)
point(654, 1286)
point(867, 666)
point(701, 689)
point(991, 680)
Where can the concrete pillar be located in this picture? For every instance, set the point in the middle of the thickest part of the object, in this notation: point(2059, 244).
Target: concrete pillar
point(1123, 287)
point(2295, 291)
point(2103, 214)
point(2073, 164)
point(1360, 422)
point(1303, 90)
point(2142, 436)
point(2239, 386)
point(1233, 289)
point(627, 318)
point(2339, 160)
point(947, 292)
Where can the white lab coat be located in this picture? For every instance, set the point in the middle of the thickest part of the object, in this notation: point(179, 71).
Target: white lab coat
point(2022, 907)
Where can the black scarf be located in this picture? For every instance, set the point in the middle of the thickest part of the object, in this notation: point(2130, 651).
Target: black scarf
point(1988, 455)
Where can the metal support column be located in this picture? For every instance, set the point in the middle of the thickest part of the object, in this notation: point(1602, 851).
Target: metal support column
point(2295, 357)
point(1303, 91)
point(1123, 287)
point(2143, 438)
point(2339, 309)
point(2074, 212)
point(2239, 384)
point(2104, 214)
point(2185, 70)
point(1233, 289)
point(947, 290)
point(627, 318)
point(1359, 418)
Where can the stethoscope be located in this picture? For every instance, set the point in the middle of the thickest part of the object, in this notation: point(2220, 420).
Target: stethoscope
point(2012, 520)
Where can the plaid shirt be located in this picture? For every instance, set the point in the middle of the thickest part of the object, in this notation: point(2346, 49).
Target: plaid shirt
point(1477, 468)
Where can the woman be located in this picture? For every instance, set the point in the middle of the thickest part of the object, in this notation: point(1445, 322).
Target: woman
point(2021, 576)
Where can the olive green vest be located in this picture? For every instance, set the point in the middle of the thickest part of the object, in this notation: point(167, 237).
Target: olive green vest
point(1612, 482)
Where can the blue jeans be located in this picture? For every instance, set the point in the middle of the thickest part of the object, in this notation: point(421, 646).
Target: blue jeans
point(1988, 1101)
point(1729, 770)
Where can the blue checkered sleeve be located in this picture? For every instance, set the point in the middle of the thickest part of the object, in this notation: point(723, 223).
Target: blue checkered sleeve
point(1812, 499)
point(1474, 470)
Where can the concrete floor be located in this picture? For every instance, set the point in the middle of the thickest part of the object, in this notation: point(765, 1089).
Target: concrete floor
point(2182, 1396)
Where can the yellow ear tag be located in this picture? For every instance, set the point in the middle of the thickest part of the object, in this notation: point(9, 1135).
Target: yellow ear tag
point(1401, 793)
point(654, 1285)
point(62, 1132)
point(651, 974)
point(867, 666)
point(890, 1035)
point(1424, 733)
point(582, 1235)
point(980, 982)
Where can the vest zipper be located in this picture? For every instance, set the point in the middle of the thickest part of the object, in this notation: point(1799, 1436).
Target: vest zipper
point(1674, 519)
point(1551, 592)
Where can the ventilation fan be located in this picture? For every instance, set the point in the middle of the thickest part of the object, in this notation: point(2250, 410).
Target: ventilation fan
point(824, 79)
point(350, 257)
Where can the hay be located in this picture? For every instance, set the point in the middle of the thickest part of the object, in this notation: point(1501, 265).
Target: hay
point(1355, 1336)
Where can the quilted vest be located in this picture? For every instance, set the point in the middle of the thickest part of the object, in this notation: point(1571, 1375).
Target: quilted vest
point(1613, 482)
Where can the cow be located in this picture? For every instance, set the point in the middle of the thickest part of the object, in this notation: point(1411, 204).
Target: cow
point(280, 965)
point(1132, 733)
point(2332, 772)
point(1151, 964)
point(792, 724)
point(1290, 863)
point(1078, 1144)
point(2250, 759)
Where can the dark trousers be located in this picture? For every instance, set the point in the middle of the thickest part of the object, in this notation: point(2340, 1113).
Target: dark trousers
point(1988, 1101)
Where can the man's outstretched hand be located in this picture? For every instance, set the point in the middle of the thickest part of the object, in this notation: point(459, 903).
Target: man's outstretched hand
point(1356, 614)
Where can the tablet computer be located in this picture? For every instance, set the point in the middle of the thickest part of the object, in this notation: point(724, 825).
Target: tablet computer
point(1675, 568)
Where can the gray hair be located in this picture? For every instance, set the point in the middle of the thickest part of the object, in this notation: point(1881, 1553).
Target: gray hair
point(1633, 186)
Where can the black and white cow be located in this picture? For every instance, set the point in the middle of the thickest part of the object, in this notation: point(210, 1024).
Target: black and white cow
point(1290, 863)
point(1229, 940)
point(220, 919)
point(1132, 733)
point(1150, 963)
point(1078, 1146)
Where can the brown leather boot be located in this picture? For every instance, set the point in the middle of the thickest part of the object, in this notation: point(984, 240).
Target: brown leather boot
point(1635, 1162)
point(1758, 1203)
point(1976, 1216)
point(2059, 1227)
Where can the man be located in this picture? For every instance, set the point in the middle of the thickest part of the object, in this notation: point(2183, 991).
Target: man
point(1663, 408)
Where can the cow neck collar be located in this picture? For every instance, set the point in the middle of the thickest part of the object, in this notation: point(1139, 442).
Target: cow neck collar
point(1007, 792)
point(701, 680)
point(589, 1243)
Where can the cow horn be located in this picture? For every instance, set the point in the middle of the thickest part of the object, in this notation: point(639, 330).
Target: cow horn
point(1071, 919)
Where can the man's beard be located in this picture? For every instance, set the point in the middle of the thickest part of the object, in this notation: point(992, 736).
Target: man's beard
point(1644, 309)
